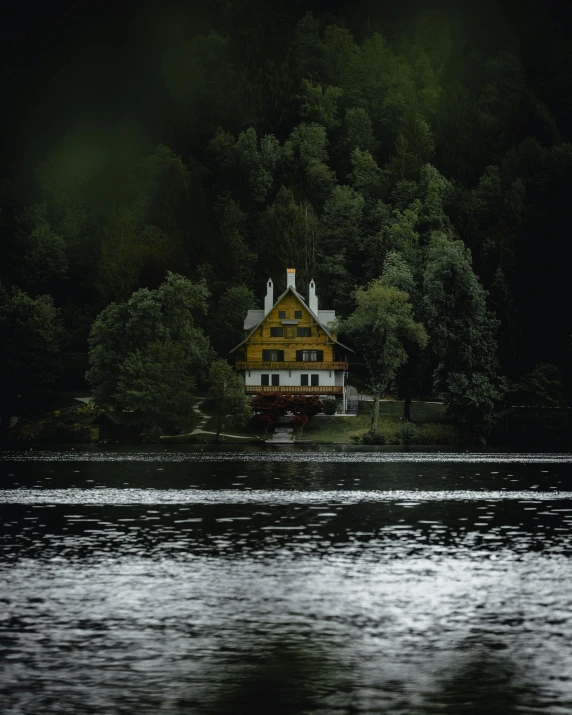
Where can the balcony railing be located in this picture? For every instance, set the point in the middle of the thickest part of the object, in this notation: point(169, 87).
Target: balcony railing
point(294, 390)
point(248, 365)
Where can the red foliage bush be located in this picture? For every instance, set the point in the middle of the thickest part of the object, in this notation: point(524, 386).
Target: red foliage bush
point(268, 408)
point(306, 405)
point(298, 422)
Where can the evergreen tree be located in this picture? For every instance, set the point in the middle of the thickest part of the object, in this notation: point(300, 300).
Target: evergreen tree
point(340, 240)
point(462, 337)
point(226, 329)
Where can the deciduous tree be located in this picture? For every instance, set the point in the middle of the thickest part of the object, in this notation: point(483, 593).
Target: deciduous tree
point(226, 390)
point(381, 322)
point(31, 335)
point(126, 358)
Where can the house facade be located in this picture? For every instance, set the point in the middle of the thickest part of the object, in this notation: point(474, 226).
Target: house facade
point(289, 347)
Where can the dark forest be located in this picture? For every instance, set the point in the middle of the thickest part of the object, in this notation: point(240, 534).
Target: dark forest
point(427, 148)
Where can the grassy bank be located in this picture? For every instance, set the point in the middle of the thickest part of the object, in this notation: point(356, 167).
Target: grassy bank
point(429, 426)
point(519, 428)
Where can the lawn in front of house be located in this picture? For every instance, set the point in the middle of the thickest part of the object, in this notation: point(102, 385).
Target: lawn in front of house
point(428, 418)
point(428, 427)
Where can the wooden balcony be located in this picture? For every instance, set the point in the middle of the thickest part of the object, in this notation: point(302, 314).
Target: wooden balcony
point(240, 365)
point(293, 390)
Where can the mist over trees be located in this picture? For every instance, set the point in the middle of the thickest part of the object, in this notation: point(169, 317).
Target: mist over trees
point(351, 144)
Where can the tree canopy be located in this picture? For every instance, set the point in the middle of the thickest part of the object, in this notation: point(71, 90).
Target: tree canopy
point(147, 353)
point(269, 135)
point(380, 324)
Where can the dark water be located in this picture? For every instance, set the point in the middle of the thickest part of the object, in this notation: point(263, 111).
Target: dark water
point(285, 581)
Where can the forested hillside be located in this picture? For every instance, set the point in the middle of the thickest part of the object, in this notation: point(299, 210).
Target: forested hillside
point(225, 142)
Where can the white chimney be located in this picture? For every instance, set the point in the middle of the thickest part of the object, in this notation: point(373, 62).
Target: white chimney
point(269, 299)
point(313, 298)
point(291, 278)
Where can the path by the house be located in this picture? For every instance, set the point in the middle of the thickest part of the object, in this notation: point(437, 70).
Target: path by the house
point(283, 433)
point(202, 422)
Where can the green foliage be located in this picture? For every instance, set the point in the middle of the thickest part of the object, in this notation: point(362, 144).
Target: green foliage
point(366, 176)
point(337, 50)
point(156, 382)
point(307, 144)
point(306, 157)
point(31, 335)
point(64, 200)
point(395, 433)
point(288, 236)
point(235, 259)
point(462, 336)
point(40, 255)
point(542, 387)
point(228, 317)
point(340, 234)
point(253, 162)
point(132, 343)
point(501, 92)
point(381, 321)
point(380, 325)
point(120, 261)
point(458, 321)
point(414, 147)
point(283, 138)
point(473, 402)
point(306, 44)
point(163, 194)
point(341, 221)
point(226, 390)
point(404, 193)
point(359, 131)
point(330, 406)
point(397, 273)
point(320, 105)
point(380, 82)
point(403, 232)
point(71, 425)
point(435, 192)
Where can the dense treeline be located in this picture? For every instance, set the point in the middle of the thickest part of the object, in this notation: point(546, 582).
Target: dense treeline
point(346, 148)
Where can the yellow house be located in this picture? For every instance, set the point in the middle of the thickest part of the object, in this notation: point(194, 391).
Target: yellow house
point(288, 347)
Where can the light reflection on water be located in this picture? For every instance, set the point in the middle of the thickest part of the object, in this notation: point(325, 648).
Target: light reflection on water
point(289, 455)
point(378, 589)
point(258, 496)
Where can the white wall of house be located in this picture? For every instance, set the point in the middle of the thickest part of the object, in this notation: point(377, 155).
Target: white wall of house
point(293, 377)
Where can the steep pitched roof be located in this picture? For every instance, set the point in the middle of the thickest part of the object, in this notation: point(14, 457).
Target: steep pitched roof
point(255, 317)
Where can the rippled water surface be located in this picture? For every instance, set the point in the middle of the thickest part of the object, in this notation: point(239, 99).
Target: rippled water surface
point(290, 581)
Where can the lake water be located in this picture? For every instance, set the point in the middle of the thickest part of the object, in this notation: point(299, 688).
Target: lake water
point(284, 581)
